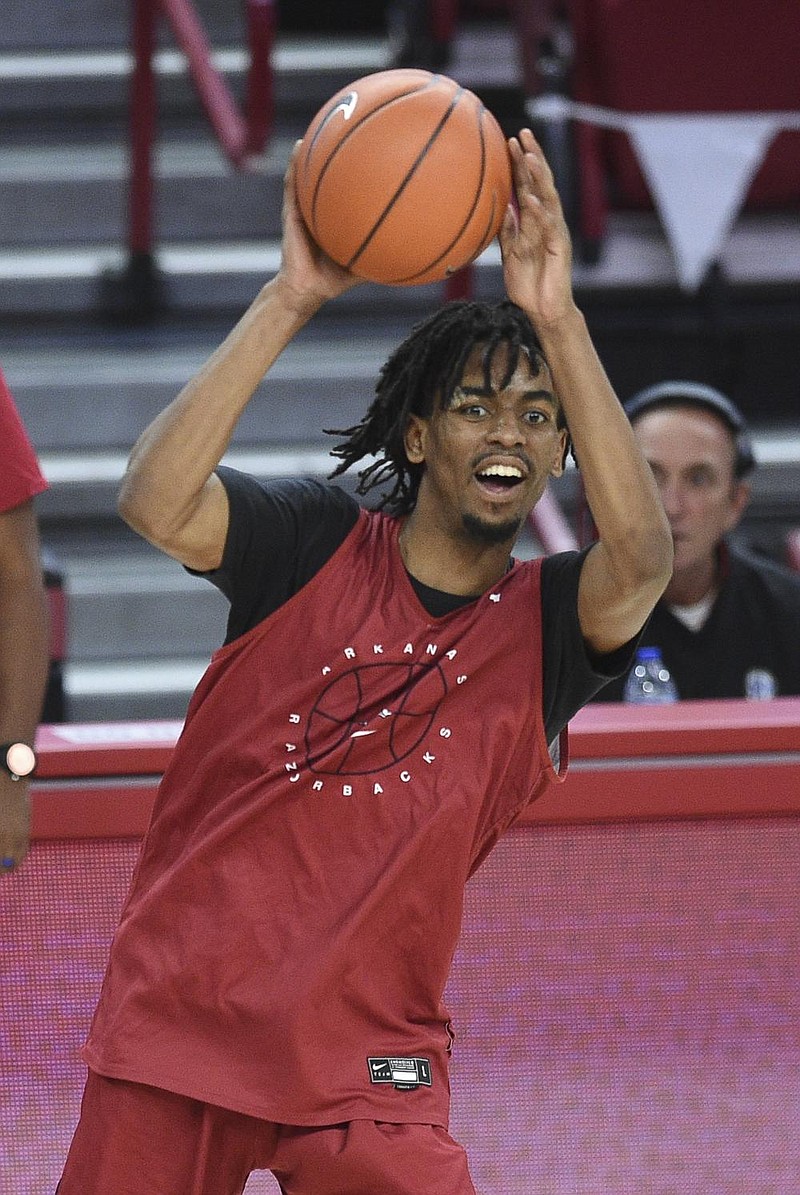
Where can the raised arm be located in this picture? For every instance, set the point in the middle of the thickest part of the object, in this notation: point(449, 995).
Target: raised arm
point(23, 665)
point(170, 493)
point(627, 570)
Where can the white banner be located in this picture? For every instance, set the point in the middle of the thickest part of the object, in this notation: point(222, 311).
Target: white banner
point(698, 167)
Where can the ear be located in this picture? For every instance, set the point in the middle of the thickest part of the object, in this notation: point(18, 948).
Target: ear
point(557, 467)
point(415, 438)
point(739, 500)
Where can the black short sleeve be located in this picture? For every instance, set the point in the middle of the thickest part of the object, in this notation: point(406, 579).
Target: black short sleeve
point(280, 533)
point(571, 674)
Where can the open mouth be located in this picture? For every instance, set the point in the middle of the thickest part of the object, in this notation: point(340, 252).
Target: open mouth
point(499, 479)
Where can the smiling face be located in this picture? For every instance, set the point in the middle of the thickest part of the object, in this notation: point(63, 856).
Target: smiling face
point(488, 452)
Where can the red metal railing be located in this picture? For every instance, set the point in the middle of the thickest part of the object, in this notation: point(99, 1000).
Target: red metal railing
point(793, 549)
point(551, 527)
point(241, 135)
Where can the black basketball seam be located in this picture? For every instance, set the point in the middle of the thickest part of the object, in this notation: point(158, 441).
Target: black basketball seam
point(409, 175)
point(347, 723)
point(420, 671)
point(313, 759)
point(432, 265)
point(485, 239)
point(348, 134)
point(397, 728)
point(345, 138)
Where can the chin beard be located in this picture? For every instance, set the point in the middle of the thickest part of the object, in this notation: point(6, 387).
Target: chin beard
point(491, 533)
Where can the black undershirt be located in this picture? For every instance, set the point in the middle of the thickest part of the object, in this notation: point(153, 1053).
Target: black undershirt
point(282, 532)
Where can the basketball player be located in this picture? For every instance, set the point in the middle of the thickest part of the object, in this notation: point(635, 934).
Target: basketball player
point(390, 697)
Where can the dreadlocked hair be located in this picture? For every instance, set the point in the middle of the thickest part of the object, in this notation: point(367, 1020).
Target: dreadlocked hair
point(424, 370)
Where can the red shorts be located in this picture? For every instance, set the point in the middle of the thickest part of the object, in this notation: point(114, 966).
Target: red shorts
point(137, 1140)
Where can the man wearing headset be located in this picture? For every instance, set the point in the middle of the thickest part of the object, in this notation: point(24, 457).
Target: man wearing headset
point(728, 624)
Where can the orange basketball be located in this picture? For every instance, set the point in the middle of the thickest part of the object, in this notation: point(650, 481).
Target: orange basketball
point(403, 177)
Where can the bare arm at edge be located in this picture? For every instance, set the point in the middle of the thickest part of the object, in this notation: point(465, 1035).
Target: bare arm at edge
point(24, 654)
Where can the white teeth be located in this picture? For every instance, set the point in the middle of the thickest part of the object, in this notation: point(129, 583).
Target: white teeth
point(501, 471)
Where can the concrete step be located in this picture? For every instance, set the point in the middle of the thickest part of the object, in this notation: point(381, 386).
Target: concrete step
point(76, 194)
point(88, 282)
point(73, 25)
point(310, 54)
point(64, 173)
point(140, 629)
point(72, 399)
point(63, 183)
point(131, 690)
point(144, 607)
point(83, 486)
point(223, 274)
point(90, 79)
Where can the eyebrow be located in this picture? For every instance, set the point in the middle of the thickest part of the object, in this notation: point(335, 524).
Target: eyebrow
point(528, 396)
point(688, 467)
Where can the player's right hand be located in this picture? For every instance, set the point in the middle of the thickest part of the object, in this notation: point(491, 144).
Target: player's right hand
point(305, 269)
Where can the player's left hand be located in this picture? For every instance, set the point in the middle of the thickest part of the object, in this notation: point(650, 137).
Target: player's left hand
point(535, 243)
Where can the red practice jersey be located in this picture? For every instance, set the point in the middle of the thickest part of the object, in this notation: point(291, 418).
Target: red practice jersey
point(345, 766)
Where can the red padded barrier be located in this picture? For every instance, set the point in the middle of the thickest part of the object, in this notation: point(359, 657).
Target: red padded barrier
point(626, 997)
point(692, 759)
point(626, 1000)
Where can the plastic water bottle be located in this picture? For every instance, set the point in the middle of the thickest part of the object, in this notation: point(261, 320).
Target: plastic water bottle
point(649, 681)
point(760, 685)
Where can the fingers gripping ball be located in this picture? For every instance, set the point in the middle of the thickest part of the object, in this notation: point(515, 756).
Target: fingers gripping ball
point(403, 177)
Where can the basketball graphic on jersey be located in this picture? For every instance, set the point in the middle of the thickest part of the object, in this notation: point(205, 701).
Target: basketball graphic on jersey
point(372, 717)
